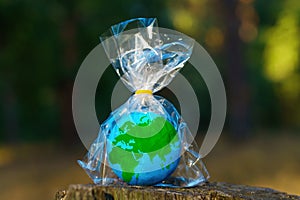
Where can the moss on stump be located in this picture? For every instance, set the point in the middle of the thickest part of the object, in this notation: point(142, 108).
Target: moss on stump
point(205, 192)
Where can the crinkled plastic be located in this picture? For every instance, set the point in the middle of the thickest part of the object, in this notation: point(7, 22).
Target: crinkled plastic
point(145, 141)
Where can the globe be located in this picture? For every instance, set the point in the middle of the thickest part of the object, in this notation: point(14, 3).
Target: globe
point(143, 148)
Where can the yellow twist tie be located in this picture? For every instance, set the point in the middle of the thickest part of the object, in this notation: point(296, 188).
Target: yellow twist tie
point(143, 92)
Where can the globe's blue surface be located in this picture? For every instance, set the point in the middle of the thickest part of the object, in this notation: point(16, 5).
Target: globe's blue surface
point(143, 148)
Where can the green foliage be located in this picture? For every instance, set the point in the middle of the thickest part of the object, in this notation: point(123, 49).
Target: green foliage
point(42, 44)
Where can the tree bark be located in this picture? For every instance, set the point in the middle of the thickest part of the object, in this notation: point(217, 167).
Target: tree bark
point(237, 84)
point(70, 55)
point(207, 191)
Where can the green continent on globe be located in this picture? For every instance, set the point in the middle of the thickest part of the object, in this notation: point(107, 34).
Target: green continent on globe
point(153, 137)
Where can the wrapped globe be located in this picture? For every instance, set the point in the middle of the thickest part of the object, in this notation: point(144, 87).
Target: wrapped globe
point(145, 141)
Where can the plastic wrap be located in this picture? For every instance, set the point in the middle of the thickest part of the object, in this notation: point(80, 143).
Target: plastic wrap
point(145, 141)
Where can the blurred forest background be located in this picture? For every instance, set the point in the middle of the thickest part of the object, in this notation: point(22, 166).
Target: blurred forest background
point(254, 43)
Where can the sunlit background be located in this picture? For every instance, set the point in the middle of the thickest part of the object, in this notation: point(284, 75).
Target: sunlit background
point(254, 43)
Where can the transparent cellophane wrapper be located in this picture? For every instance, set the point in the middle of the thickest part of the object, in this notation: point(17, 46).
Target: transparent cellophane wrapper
point(146, 60)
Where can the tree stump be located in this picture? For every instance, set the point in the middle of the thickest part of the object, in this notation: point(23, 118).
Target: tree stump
point(204, 192)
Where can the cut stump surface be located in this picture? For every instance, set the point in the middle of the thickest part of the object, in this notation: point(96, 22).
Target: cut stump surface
point(206, 191)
